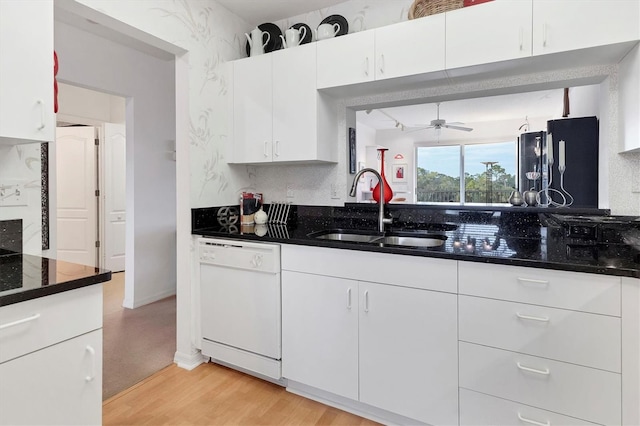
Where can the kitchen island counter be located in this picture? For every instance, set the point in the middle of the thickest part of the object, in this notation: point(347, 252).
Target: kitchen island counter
point(25, 277)
point(519, 237)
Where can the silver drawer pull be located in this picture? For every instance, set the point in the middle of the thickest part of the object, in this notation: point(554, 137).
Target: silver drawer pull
point(532, 281)
point(529, 317)
point(533, 422)
point(544, 372)
point(18, 322)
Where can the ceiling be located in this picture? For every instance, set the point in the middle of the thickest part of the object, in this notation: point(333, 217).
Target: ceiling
point(472, 112)
point(256, 12)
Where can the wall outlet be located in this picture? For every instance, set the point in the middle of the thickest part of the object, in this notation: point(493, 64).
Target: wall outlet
point(12, 194)
point(290, 191)
point(334, 191)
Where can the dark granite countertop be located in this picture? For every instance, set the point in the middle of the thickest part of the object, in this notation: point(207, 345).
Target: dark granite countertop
point(25, 277)
point(532, 237)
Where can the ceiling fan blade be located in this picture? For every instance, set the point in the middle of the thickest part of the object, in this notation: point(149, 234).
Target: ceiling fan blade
point(455, 123)
point(418, 129)
point(466, 129)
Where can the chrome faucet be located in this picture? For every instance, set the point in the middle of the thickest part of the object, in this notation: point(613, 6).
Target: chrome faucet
point(381, 219)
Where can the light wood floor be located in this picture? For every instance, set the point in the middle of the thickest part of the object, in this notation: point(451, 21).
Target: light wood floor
point(215, 395)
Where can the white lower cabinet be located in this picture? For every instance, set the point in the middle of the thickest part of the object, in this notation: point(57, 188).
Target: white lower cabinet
point(478, 409)
point(320, 332)
point(408, 363)
point(58, 385)
point(390, 347)
point(577, 337)
point(51, 359)
point(573, 390)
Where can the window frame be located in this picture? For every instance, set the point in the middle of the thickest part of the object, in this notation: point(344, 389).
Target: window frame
point(463, 183)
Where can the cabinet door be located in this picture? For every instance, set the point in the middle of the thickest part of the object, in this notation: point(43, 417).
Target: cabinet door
point(252, 110)
point(26, 71)
point(408, 352)
point(561, 25)
point(490, 32)
point(58, 385)
point(320, 332)
point(346, 60)
point(410, 48)
point(295, 134)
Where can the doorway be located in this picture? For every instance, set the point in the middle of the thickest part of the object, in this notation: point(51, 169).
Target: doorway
point(91, 178)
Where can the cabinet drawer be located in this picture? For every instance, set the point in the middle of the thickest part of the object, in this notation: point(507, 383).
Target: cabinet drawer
point(478, 409)
point(560, 289)
point(569, 389)
point(577, 337)
point(49, 320)
point(407, 271)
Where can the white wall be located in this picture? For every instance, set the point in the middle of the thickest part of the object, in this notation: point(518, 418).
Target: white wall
point(78, 105)
point(148, 84)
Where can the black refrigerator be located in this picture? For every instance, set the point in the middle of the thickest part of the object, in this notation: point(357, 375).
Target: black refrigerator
point(581, 145)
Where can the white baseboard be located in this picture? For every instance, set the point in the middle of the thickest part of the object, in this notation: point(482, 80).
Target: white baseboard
point(189, 361)
point(350, 406)
point(132, 304)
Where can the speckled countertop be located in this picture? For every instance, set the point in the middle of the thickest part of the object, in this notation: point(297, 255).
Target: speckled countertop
point(25, 277)
point(533, 237)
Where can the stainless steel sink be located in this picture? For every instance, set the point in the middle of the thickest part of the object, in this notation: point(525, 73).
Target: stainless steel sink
point(405, 238)
point(345, 236)
point(422, 241)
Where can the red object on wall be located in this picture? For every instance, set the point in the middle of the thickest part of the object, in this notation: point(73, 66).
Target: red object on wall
point(55, 82)
point(388, 192)
point(472, 2)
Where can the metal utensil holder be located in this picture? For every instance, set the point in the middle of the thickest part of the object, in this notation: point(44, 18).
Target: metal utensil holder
point(279, 213)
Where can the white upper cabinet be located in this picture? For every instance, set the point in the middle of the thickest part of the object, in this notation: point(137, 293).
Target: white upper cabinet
point(410, 47)
point(490, 32)
point(294, 104)
point(562, 25)
point(399, 50)
point(252, 110)
point(278, 115)
point(629, 98)
point(26, 71)
point(346, 59)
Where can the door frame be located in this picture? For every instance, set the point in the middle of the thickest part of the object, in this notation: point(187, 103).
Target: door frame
point(99, 176)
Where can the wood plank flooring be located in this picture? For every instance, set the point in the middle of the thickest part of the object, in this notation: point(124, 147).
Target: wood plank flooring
point(215, 395)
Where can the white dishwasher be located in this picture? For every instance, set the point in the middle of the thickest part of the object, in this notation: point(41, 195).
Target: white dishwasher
point(240, 304)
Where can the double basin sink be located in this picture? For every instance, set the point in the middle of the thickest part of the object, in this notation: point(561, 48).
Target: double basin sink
point(401, 238)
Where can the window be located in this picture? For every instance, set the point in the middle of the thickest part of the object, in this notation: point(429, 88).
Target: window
point(489, 173)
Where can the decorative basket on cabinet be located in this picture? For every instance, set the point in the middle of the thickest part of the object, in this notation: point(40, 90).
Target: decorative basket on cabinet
point(422, 8)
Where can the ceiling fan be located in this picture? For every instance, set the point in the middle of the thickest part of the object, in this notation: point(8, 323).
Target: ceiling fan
point(438, 123)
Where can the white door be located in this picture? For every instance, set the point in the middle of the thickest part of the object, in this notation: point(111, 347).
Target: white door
point(426, 54)
point(77, 201)
point(592, 23)
point(115, 196)
point(346, 60)
point(409, 336)
point(295, 95)
point(63, 381)
point(26, 64)
point(252, 110)
point(491, 32)
point(320, 332)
